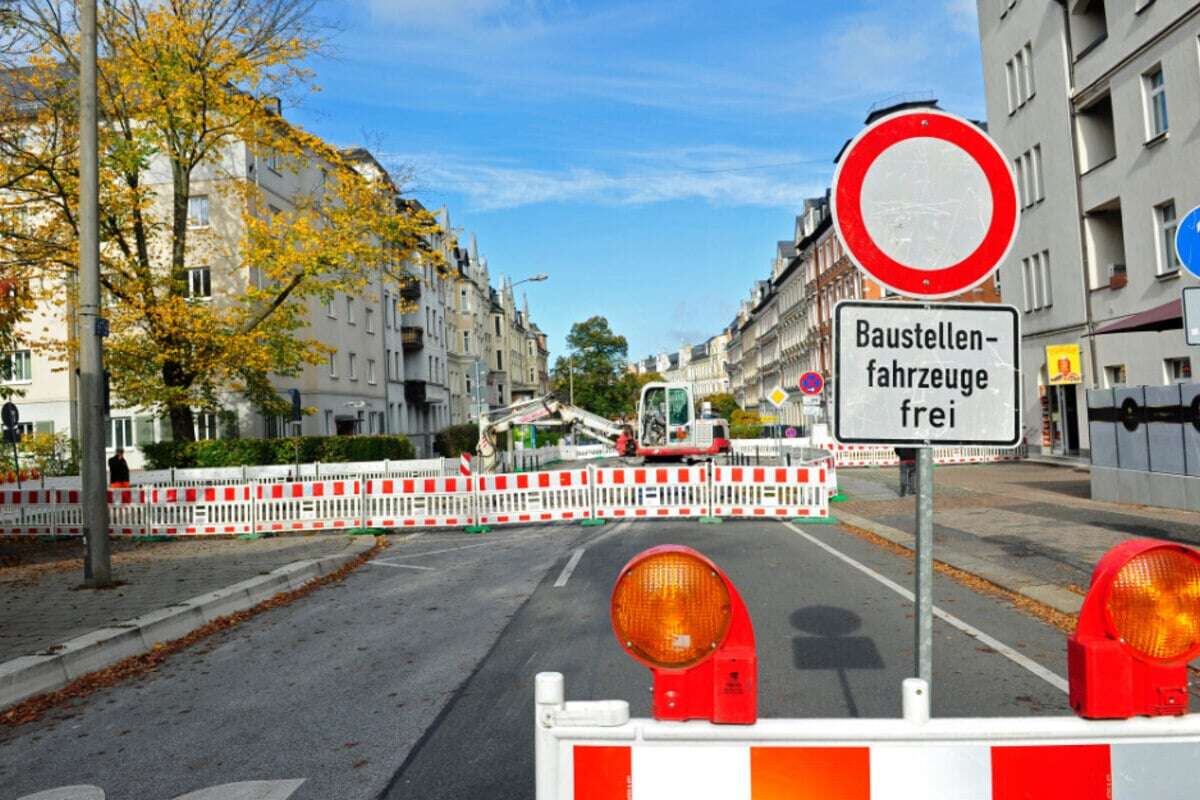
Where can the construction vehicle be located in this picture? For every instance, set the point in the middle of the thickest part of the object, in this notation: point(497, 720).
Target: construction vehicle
point(668, 426)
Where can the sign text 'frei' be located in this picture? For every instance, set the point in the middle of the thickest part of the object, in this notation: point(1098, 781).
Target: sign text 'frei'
point(911, 373)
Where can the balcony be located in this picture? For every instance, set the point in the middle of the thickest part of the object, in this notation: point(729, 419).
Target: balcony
point(414, 392)
point(411, 290)
point(412, 338)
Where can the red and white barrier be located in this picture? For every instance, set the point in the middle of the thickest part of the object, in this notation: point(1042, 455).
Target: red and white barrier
point(534, 497)
point(770, 492)
point(201, 511)
point(419, 502)
point(311, 505)
point(29, 512)
point(652, 492)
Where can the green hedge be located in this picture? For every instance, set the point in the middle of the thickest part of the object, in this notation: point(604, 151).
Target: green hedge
point(258, 452)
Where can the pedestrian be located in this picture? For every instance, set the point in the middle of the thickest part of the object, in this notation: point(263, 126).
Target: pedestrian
point(118, 470)
point(908, 469)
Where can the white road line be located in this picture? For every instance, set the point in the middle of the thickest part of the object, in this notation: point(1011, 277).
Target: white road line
point(399, 566)
point(565, 575)
point(447, 550)
point(970, 630)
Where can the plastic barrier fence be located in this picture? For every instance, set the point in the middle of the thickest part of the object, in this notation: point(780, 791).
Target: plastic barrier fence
point(653, 492)
point(593, 750)
point(605, 493)
point(770, 492)
point(535, 497)
point(419, 502)
point(860, 455)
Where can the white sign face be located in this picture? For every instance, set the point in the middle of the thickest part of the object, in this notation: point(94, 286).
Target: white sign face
point(778, 397)
point(1191, 314)
point(927, 373)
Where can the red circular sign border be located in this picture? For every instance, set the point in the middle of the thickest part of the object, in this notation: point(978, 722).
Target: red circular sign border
point(800, 383)
point(847, 211)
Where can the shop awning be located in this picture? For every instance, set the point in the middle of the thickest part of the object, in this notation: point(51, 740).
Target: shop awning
point(1168, 316)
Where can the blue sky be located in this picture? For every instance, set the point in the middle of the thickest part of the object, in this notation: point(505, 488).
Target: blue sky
point(646, 155)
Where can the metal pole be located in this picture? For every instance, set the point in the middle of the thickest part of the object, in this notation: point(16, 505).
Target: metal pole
point(571, 376)
point(924, 571)
point(97, 569)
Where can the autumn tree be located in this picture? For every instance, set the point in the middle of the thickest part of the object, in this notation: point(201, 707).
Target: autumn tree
point(723, 404)
point(596, 366)
point(188, 105)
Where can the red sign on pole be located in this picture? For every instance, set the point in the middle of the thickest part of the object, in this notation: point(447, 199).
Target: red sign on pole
point(811, 383)
point(925, 203)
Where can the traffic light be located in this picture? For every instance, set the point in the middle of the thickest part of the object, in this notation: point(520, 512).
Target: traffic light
point(680, 615)
point(1138, 629)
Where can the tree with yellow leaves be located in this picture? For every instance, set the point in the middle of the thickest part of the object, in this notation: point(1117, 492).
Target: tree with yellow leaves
point(208, 285)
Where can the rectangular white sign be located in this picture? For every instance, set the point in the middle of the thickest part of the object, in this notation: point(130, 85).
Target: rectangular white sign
point(1191, 314)
point(927, 373)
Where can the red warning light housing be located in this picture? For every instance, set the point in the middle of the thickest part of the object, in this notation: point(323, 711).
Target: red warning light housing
point(672, 594)
point(1137, 631)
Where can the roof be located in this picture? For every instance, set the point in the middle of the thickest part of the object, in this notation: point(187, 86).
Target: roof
point(1168, 316)
point(700, 350)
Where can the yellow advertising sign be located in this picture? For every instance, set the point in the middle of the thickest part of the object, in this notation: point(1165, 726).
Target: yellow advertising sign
point(1062, 364)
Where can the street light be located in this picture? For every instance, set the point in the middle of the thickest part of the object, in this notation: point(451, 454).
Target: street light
point(541, 276)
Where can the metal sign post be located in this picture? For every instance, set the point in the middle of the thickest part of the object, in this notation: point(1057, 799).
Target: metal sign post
point(926, 205)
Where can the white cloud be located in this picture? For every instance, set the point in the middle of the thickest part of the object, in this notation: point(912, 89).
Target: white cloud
point(719, 175)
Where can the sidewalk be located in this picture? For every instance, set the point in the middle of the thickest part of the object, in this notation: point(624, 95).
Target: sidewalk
point(1028, 527)
point(41, 604)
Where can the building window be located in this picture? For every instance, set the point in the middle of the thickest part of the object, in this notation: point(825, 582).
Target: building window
point(329, 427)
point(1010, 74)
point(370, 370)
point(1044, 267)
point(333, 365)
point(1156, 102)
point(370, 312)
point(1168, 261)
point(352, 371)
point(1027, 62)
point(349, 310)
point(16, 367)
point(499, 359)
point(205, 425)
point(273, 162)
point(1178, 370)
point(1027, 283)
point(1114, 375)
point(200, 282)
point(331, 310)
point(466, 341)
point(462, 299)
point(197, 211)
point(119, 433)
point(1022, 192)
point(497, 321)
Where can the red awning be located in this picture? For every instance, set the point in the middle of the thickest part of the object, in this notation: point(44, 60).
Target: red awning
point(1168, 316)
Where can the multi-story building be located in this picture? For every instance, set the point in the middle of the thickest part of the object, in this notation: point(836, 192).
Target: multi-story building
point(1095, 102)
point(518, 357)
point(702, 365)
point(470, 336)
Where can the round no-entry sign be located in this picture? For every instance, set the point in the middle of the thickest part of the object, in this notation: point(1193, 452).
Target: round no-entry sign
point(811, 383)
point(925, 203)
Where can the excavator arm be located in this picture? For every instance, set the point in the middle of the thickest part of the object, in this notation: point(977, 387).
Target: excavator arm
point(542, 408)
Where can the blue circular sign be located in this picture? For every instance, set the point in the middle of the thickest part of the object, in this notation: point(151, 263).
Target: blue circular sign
point(811, 383)
point(1187, 242)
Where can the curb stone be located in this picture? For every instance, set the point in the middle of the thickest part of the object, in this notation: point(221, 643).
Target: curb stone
point(1026, 585)
point(58, 665)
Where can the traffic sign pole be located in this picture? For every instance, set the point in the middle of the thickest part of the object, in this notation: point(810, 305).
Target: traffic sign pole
point(923, 634)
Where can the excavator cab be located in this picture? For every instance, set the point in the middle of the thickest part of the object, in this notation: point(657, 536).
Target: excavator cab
point(669, 426)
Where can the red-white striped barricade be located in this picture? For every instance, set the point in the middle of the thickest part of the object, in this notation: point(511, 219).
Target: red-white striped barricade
point(419, 502)
point(464, 465)
point(770, 491)
point(200, 510)
point(28, 512)
point(128, 511)
point(593, 750)
point(636, 492)
point(534, 497)
point(309, 505)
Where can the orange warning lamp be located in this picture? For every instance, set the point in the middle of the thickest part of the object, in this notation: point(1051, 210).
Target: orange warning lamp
point(680, 615)
point(1138, 629)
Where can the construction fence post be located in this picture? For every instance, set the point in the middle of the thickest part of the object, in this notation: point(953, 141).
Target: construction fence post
point(710, 492)
point(592, 519)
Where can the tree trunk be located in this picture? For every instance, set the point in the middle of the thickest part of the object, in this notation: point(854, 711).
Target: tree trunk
point(180, 413)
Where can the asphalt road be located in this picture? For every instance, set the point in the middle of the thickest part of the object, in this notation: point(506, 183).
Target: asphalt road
point(413, 678)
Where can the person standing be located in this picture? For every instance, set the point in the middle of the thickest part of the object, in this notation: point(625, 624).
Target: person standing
point(908, 469)
point(118, 470)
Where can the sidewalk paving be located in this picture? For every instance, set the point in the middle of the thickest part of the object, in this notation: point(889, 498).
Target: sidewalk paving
point(41, 604)
point(1028, 527)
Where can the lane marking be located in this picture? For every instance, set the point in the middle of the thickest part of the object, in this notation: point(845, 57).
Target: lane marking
point(399, 566)
point(565, 575)
point(447, 550)
point(970, 630)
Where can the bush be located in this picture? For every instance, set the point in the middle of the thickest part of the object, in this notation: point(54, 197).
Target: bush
point(259, 452)
point(455, 440)
point(745, 425)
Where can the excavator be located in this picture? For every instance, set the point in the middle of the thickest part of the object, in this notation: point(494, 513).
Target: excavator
point(668, 427)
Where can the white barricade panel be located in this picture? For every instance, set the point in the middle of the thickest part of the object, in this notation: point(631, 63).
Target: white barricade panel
point(310, 505)
point(419, 502)
point(28, 512)
point(127, 511)
point(770, 492)
point(980, 770)
point(534, 497)
point(631, 492)
point(201, 511)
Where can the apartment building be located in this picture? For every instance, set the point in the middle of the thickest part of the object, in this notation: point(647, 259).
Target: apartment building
point(702, 365)
point(470, 336)
point(1096, 103)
